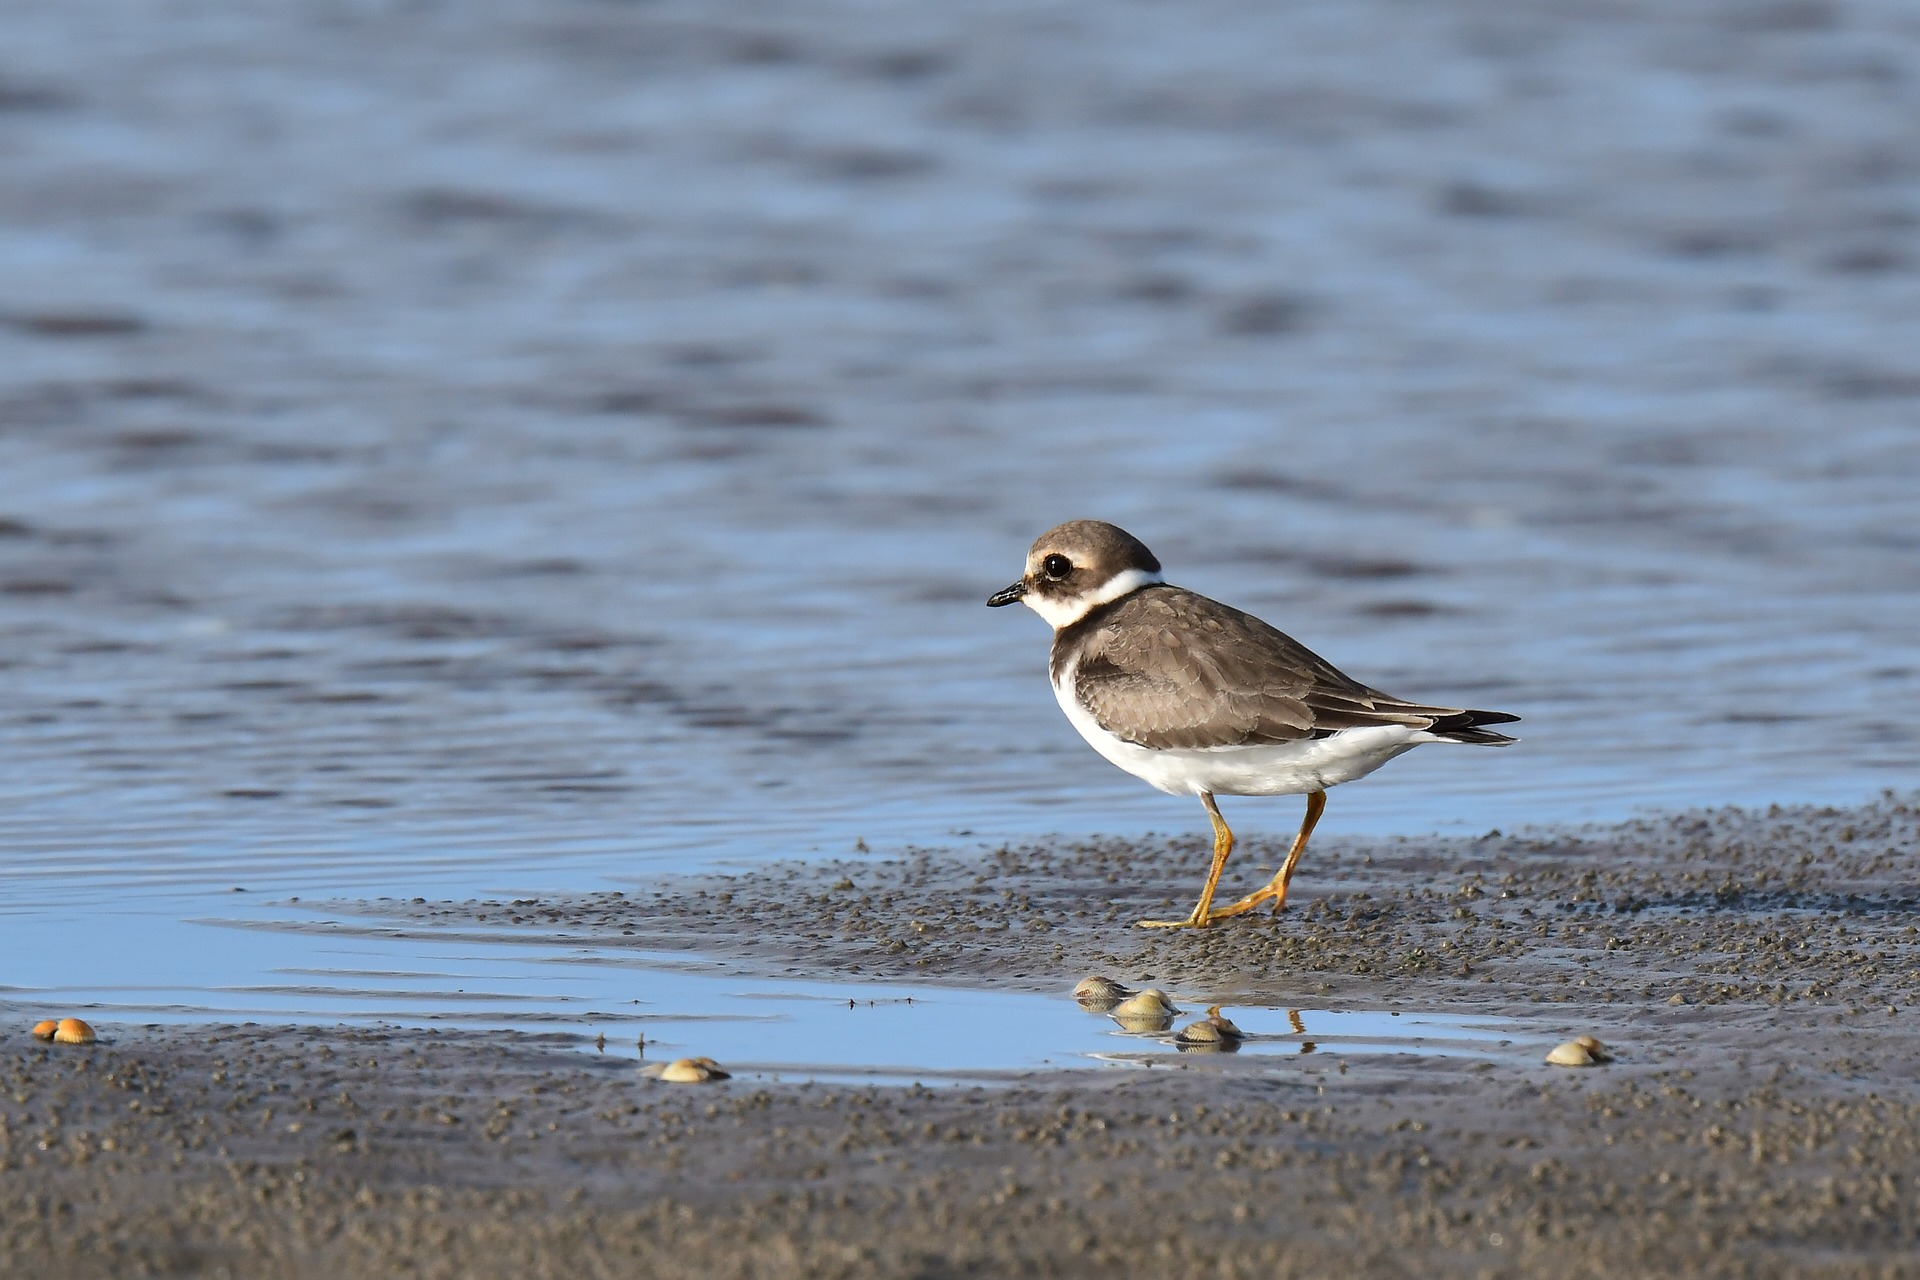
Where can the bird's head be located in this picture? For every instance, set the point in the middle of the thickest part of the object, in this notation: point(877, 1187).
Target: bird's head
point(1078, 566)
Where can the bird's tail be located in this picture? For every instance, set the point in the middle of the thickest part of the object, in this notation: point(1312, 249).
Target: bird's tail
point(1469, 727)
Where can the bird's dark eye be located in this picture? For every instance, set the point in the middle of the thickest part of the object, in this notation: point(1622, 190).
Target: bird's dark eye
point(1056, 566)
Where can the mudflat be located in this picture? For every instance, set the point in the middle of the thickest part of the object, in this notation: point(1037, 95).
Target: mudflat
point(1754, 973)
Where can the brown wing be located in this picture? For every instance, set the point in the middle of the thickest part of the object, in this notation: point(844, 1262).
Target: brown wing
point(1165, 668)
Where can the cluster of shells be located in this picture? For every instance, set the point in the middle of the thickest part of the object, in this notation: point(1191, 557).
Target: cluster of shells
point(1151, 1011)
point(65, 1031)
point(1140, 1011)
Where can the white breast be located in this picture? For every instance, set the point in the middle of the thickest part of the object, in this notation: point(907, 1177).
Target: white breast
point(1282, 769)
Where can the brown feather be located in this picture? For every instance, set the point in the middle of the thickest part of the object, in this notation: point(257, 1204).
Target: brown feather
point(1165, 668)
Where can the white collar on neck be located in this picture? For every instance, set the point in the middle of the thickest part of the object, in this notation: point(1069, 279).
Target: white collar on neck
point(1064, 613)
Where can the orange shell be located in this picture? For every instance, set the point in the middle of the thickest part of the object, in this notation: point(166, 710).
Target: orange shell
point(45, 1030)
point(73, 1031)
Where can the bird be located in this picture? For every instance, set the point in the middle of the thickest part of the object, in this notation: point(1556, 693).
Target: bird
point(1196, 697)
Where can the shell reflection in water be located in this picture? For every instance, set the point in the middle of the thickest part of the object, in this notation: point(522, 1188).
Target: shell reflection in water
point(1150, 1010)
point(1097, 994)
point(1212, 1034)
point(686, 1071)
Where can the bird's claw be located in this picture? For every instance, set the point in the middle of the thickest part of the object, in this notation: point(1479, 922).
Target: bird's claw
point(1195, 921)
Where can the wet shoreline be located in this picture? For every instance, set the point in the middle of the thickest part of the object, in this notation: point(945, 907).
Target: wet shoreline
point(1752, 970)
point(1805, 907)
point(307, 1152)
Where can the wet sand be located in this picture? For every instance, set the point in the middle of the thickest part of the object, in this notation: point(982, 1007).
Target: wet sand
point(1804, 910)
point(1753, 971)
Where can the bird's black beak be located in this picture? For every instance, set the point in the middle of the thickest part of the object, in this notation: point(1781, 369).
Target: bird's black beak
point(1007, 595)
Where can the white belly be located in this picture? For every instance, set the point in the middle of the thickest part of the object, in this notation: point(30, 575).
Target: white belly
point(1282, 769)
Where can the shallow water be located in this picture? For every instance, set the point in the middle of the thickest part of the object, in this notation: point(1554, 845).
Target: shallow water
point(302, 967)
point(482, 451)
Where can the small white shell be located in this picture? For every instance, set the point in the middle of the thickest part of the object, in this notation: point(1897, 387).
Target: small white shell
point(1151, 1001)
point(1593, 1046)
point(686, 1071)
point(1150, 1010)
point(1571, 1054)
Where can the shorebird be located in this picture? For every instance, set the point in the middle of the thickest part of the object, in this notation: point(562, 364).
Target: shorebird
point(1197, 698)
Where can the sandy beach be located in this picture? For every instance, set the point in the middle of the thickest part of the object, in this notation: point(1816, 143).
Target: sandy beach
point(495, 508)
point(1760, 1117)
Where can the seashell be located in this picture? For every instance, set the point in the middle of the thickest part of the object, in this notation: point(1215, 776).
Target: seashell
point(1151, 1001)
point(687, 1071)
point(1593, 1046)
point(1571, 1054)
point(1150, 1010)
point(1212, 1033)
point(45, 1030)
point(1099, 994)
point(1203, 1032)
point(72, 1031)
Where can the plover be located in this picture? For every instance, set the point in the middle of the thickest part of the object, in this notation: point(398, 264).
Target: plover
point(1197, 698)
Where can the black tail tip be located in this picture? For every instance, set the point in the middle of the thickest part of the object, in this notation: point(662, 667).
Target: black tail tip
point(1467, 726)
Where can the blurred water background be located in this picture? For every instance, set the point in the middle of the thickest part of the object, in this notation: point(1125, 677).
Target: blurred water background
point(490, 447)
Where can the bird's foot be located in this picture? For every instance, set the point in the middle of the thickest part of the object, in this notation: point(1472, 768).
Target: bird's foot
point(1194, 921)
point(1276, 894)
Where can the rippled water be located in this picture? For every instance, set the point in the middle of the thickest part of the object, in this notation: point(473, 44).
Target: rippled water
point(484, 447)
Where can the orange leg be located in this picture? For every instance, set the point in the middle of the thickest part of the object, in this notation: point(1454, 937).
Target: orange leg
point(1203, 915)
point(1276, 888)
